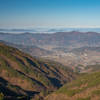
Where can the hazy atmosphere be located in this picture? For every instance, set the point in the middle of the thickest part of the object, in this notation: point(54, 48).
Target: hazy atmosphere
point(49, 49)
point(49, 13)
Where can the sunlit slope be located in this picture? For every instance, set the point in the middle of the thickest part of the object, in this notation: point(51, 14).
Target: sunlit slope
point(86, 87)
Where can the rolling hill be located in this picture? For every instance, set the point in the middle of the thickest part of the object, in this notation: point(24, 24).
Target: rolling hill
point(85, 87)
point(85, 49)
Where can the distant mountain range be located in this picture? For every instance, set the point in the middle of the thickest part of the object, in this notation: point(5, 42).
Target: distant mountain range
point(68, 39)
point(49, 30)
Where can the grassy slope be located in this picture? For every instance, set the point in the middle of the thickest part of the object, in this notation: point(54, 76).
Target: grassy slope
point(86, 87)
point(31, 74)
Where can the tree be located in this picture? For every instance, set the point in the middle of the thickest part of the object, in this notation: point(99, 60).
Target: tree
point(1, 96)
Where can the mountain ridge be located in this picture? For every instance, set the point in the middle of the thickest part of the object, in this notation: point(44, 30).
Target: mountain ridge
point(31, 74)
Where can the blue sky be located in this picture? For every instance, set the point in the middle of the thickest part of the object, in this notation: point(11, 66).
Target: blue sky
point(49, 13)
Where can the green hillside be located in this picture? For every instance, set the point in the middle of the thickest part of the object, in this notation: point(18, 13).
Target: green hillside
point(86, 87)
point(30, 75)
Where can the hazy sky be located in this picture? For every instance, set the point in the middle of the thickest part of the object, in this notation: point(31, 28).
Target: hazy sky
point(49, 13)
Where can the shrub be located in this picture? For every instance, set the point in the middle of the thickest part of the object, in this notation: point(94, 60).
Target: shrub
point(88, 98)
point(96, 92)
